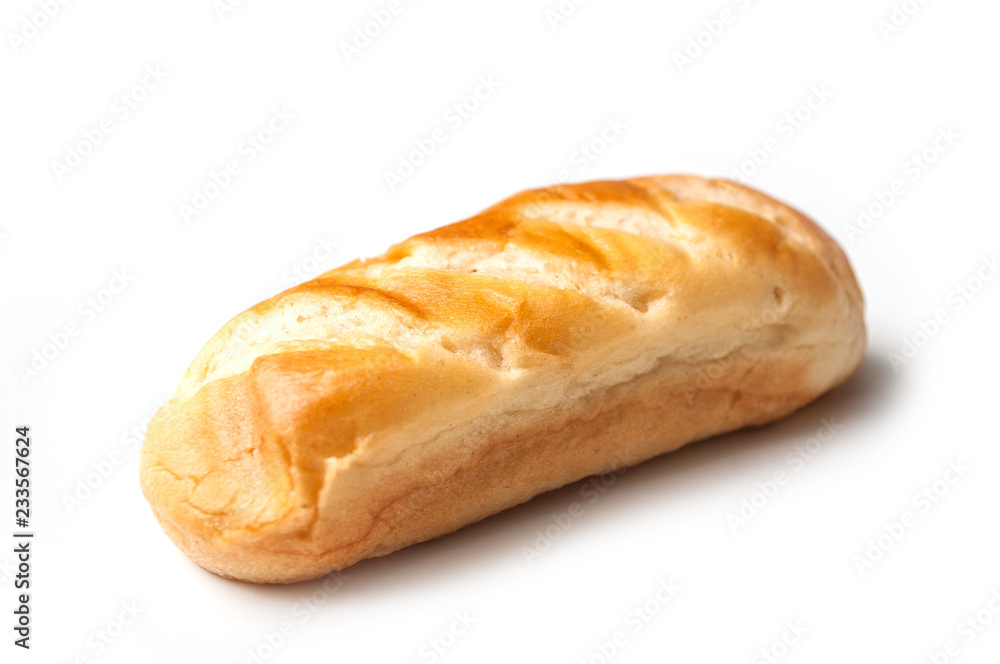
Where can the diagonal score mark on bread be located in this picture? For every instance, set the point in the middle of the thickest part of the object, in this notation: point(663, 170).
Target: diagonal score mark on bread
point(469, 368)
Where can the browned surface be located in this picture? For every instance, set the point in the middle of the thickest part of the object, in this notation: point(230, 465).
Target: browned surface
point(470, 368)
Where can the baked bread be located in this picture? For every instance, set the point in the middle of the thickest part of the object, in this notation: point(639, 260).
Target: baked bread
point(561, 333)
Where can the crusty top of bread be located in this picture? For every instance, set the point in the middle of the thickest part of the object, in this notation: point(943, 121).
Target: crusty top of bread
point(536, 301)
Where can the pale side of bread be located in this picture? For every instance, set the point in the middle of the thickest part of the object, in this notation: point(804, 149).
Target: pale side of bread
point(562, 333)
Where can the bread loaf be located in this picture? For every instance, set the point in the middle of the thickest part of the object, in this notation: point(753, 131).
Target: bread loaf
point(561, 333)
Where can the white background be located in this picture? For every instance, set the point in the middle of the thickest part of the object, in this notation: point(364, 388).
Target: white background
point(322, 180)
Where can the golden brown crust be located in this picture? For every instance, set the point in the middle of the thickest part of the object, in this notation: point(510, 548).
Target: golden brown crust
point(558, 334)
